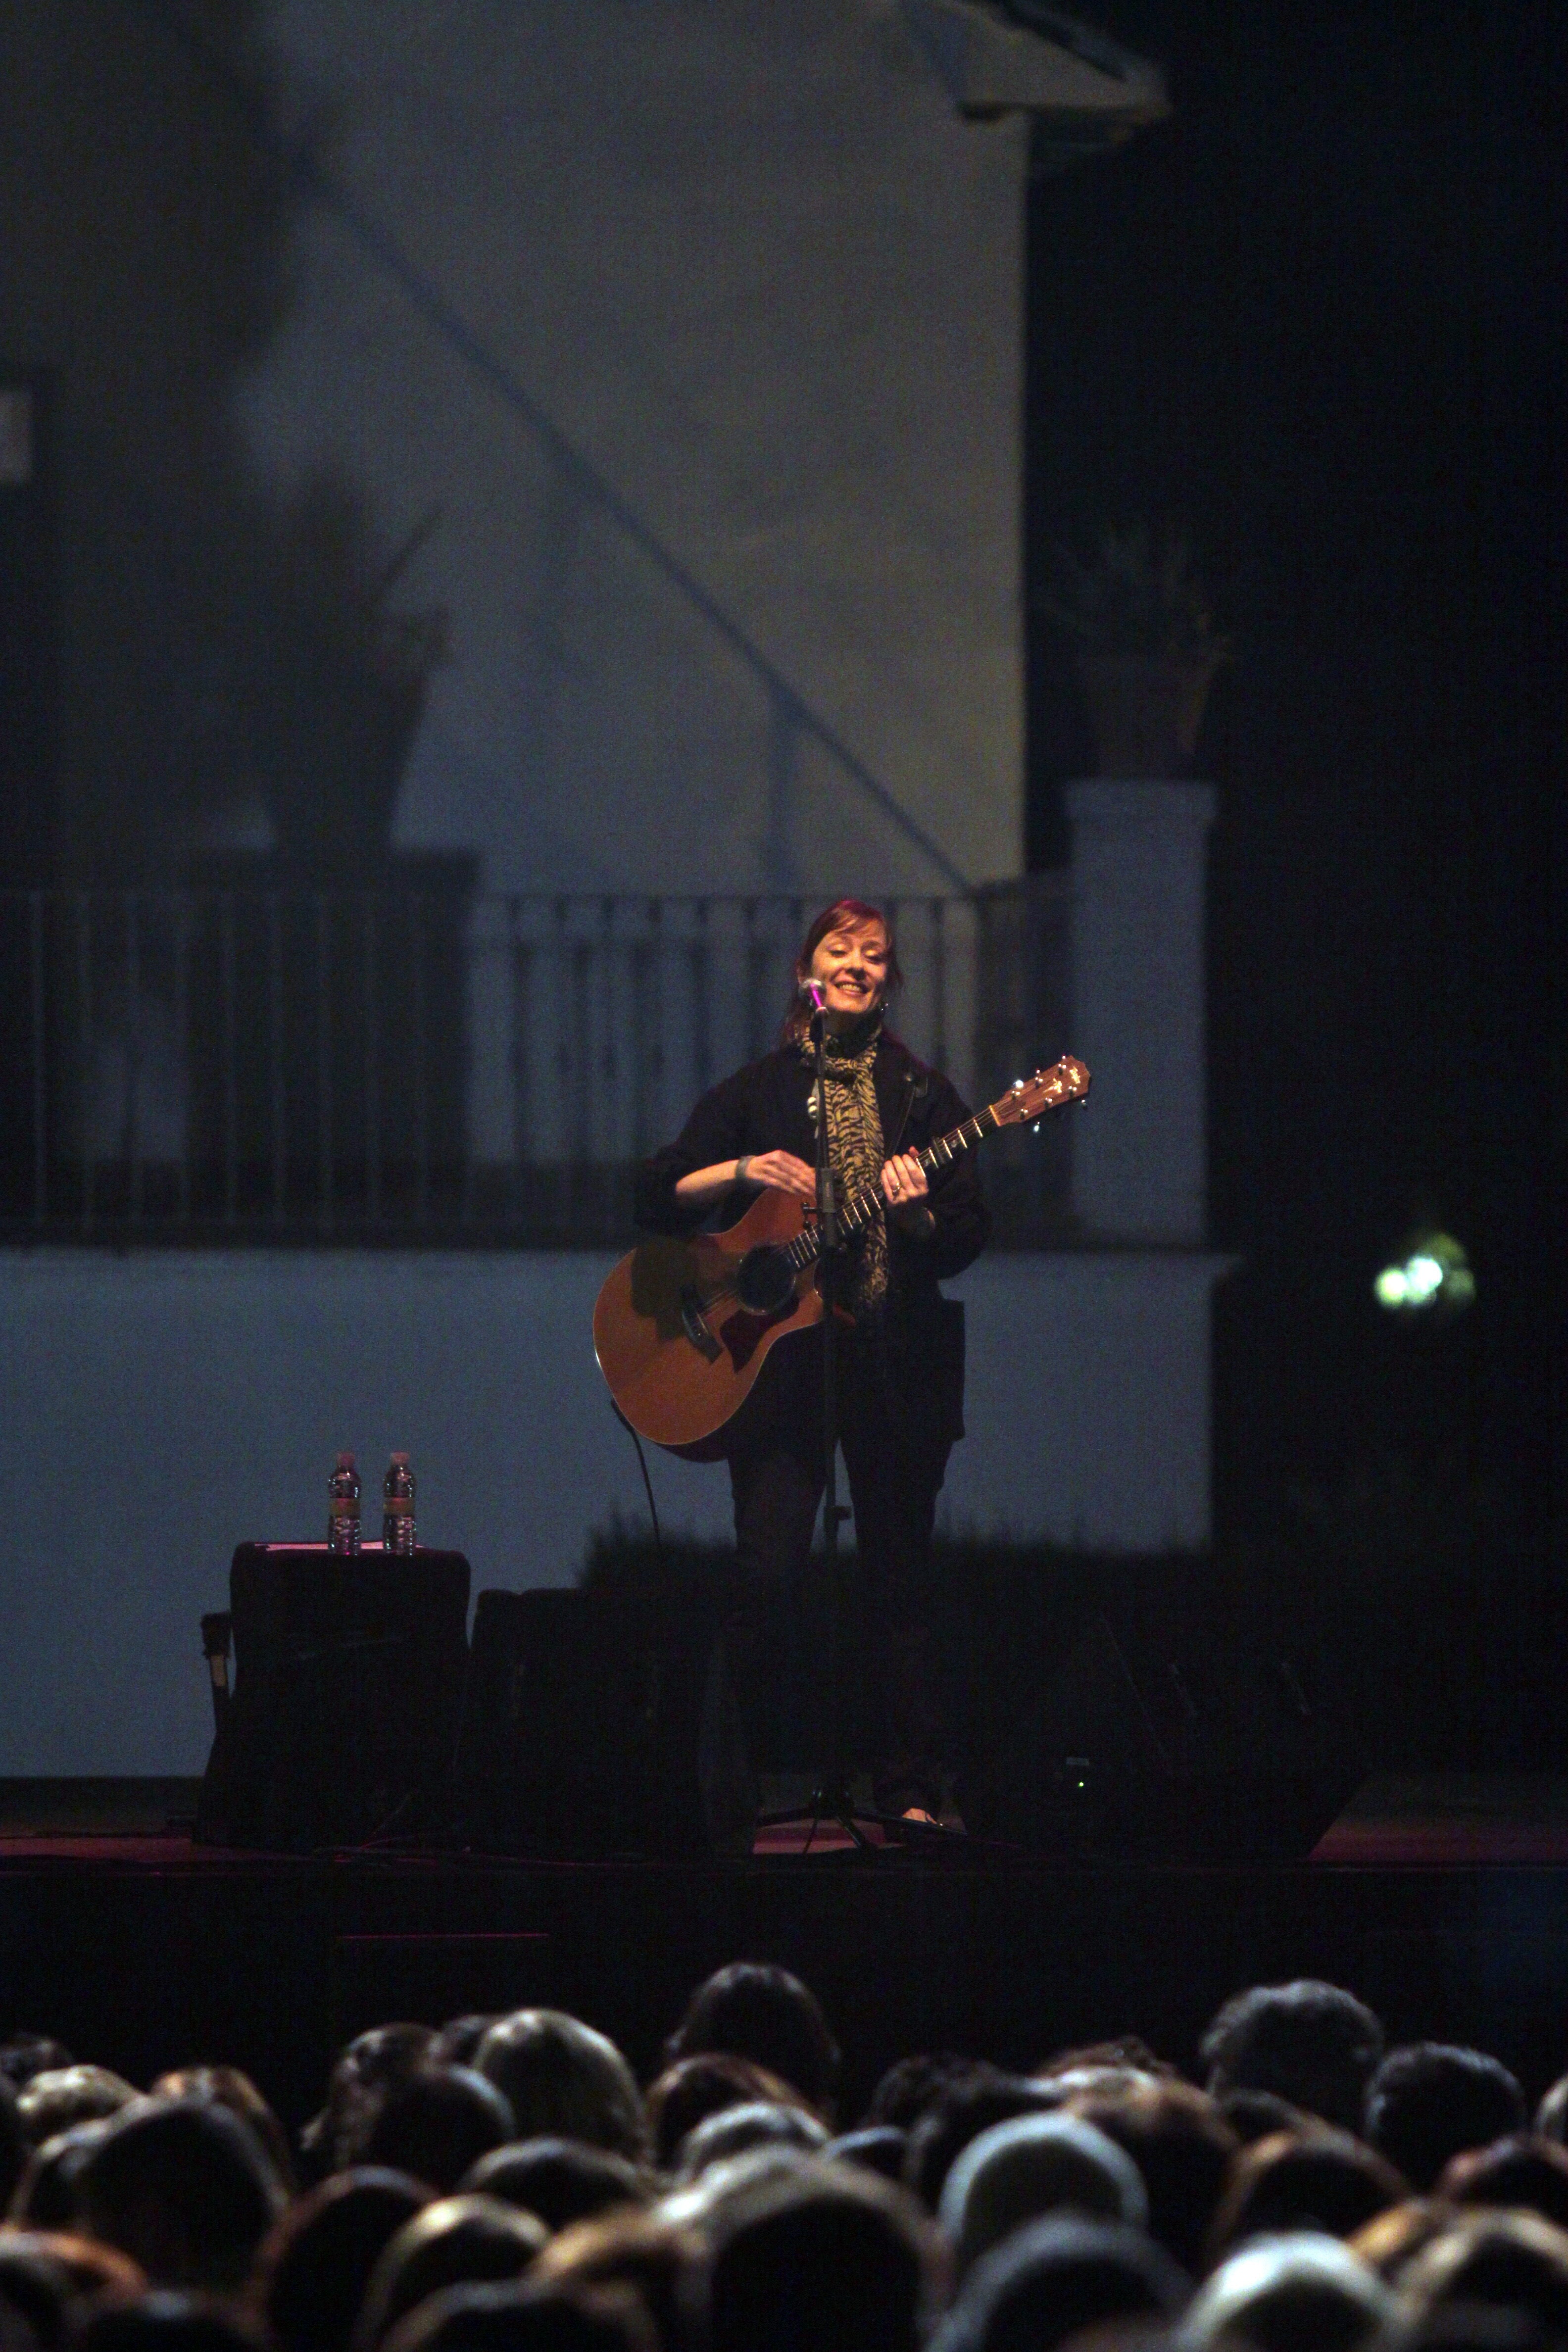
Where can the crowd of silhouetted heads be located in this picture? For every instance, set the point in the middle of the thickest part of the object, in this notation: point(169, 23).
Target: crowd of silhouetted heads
point(502, 2183)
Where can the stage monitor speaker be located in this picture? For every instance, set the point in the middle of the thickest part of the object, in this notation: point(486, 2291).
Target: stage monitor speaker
point(348, 1675)
point(599, 1723)
point(1118, 1752)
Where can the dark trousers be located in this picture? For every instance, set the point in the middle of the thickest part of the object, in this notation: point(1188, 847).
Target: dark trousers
point(895, 1451)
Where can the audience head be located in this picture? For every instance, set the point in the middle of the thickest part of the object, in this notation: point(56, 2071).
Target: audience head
point(169, 2322)
point(1429, 2102)
point(23, 2055)
point(1313, 2044)
point(316, 2263)
point(754, 2010)
point(758, 2124)
point(44, 2197)
point(1062, 2277)
point(561, 2180)
point(960, 2110)
point(455, 2241)
point(526, 2318)
point(1183, 2147)
point(1524, 2175)
point(225, 2086)
point(1036, 2165)
point(697, 2201)
point(882, 2149)
point(371, 2066)
point(50, 2282)
point(438, 2124)
point(1125, 2053)
point(912, 2084)
point(14, 2143)
point(1513, 2261)
point(563, 2078)
point(459, 2038)
point(1305, 2292)
point(53, 2100)
point(1463, 2327)
point(1258, 2114)
point(184, 2189)
point(692, 2090)
point(647, 2251)
point(820, 2256)
point(1391, 2243)
point(1317, 2180)
point(1551, 2114)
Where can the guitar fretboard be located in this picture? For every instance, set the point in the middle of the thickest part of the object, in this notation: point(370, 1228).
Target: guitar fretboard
point(858, 1213)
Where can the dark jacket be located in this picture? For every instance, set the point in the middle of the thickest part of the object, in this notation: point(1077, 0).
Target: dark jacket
point(766, 1108)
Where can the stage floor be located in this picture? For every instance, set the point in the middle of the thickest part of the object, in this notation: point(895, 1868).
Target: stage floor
point(1443, 1902)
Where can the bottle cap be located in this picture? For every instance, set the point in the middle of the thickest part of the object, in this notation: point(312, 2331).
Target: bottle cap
point(346, 1462)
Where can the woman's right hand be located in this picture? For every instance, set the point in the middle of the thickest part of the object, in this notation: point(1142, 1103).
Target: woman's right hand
point(781, 1172)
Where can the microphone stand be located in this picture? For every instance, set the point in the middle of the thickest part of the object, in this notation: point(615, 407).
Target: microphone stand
point(830, 1798)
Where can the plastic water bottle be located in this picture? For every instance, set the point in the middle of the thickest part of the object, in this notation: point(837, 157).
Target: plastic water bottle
point(342, 1508)
point(397, 1505)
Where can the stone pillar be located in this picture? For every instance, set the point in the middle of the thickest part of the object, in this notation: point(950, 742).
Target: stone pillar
point(1138, 875)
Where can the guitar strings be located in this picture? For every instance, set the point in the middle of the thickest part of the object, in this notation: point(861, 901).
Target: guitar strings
point(940, 1154)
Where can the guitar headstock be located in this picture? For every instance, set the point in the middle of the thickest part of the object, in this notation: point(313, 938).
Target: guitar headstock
point(1027, 1099)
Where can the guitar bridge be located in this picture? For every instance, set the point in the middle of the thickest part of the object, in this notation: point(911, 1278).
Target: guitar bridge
point(695, 1328)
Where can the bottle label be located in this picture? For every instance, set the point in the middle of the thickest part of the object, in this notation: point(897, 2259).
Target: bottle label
point(344, 1507)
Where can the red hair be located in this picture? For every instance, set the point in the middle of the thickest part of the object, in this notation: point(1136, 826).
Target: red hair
point(844, 914)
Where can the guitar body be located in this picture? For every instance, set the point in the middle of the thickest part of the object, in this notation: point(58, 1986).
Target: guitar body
point(680, 1370)
point(682, 1329)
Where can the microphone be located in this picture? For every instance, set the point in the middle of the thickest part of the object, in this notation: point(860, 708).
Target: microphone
point(814, 990)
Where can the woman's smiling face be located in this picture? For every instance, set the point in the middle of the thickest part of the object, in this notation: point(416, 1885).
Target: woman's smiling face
point(850, 966)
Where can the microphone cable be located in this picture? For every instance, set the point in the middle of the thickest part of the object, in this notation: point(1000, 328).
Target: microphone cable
point(647, 1481)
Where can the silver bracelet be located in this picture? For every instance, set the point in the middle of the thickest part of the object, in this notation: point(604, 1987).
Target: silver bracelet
point(741, 1167)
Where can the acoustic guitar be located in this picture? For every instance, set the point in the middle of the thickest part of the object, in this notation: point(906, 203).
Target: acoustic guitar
point(682, 1327)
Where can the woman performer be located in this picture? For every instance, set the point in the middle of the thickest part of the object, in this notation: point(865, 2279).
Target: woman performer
point(900, 1364)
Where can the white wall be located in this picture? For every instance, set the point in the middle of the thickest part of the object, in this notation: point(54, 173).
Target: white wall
point(755, 267)
point(155, 1410)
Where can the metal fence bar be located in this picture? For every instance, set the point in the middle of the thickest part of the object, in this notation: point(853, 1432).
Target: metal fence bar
point(606, 1104)
point(228, 950)
point(277, 1066)
point(520, 967)
point(701, 1002)
point(372, 1069)
point(40, 1051)
point(466, 1094)
point(421, 1087)
point(182, 1048)
point(323, 1061)
point(134, 1049)
point(88, 1073)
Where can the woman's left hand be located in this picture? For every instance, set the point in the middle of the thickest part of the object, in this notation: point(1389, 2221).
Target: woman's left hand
point(906, 1192)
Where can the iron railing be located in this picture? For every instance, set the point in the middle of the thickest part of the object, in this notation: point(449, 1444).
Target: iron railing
point(280, 1066)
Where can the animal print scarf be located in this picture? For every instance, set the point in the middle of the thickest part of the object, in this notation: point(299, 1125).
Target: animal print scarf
point(855, 1145)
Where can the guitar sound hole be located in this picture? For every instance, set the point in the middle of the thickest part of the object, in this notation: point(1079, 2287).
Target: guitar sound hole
point(764, 1280)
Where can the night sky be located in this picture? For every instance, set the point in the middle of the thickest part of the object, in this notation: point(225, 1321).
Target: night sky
point(1317, 320)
